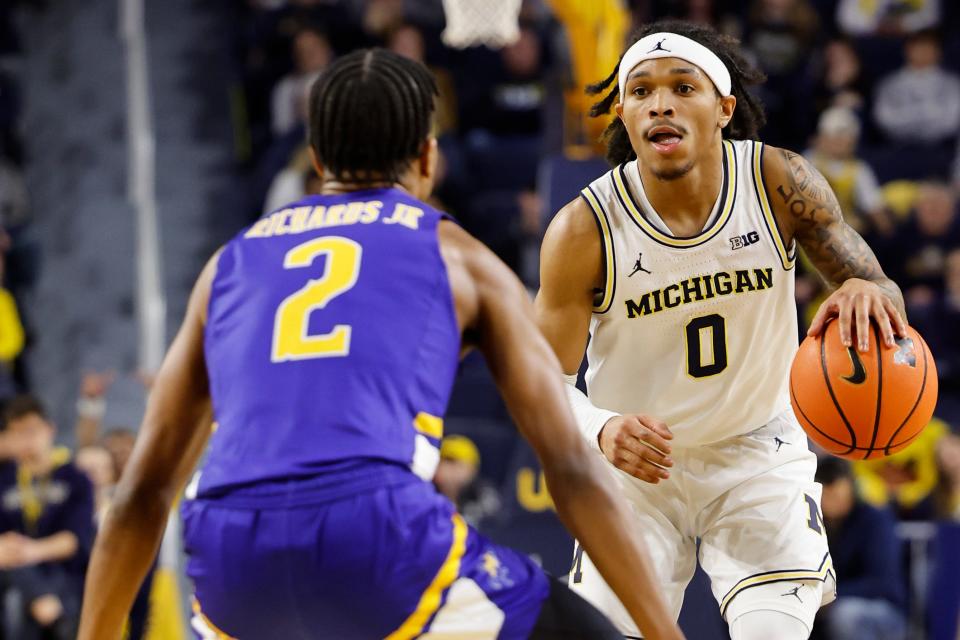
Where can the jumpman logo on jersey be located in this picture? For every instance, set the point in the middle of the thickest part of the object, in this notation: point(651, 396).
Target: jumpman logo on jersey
point(779, 442)
point(638, 265)
point(659, 47)
point(793, 592)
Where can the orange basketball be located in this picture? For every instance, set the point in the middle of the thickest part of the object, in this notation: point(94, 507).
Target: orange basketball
point(863, 405)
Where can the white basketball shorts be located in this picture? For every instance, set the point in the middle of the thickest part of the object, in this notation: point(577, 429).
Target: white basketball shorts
point(753, 504)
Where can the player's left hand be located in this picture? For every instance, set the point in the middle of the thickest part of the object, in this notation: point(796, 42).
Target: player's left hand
point(855, 304)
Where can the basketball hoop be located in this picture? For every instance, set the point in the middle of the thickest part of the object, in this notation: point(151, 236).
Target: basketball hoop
point(494, 23)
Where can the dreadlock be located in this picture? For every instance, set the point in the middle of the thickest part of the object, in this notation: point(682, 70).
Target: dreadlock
point(370, 112)
point(747, 119)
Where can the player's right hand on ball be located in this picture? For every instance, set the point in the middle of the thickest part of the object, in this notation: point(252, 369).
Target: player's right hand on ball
point(638, 445)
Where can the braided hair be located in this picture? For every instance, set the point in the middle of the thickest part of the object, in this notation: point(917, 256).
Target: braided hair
point(748, 116)
point(370, 112)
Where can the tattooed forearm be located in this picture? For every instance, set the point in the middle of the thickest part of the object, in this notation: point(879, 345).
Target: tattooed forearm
point(805, 199)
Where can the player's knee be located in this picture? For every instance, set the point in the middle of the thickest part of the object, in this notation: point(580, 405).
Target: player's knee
point(768, 625)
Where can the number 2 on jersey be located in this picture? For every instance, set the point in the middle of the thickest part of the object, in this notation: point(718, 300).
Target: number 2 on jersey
point(717, 326)
point(290, 338)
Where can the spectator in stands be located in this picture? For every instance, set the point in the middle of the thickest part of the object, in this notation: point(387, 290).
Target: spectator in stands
point(458, 467)
point(920, 103)
point(97, 464)
point(11, 338)
point(918, 253)
point(381, 16)
point(948, 491)
point(91, 406)
point(887, 17)
point(407, 40)
point(937, 320)
point(289, 108)
point(119, 442)
point(102, 458)
point(46, 524)
point(852, 179)
point(781, 33)
point(291, 183)
point(457, 478)
point(842, 82)
point(906, 481)
point(511, 102)
point(866, 557)
point(311, 54)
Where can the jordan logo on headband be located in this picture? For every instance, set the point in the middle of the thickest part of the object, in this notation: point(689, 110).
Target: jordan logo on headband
point(659, 47)
point(651, 47)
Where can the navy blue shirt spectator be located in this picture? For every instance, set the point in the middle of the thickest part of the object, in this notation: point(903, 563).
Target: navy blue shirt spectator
point(866, 559)
point(915, 256)
point(505, 94)
point(46, 525)
point(39, 507)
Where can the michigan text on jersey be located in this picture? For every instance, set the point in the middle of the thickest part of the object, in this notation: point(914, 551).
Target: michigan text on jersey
point(699, 288)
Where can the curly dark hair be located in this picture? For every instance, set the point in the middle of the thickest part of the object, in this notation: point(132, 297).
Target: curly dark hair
point(747, 119)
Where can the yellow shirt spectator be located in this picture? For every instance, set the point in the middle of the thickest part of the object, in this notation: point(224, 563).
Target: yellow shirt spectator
point(905, 478)
point(11, 329)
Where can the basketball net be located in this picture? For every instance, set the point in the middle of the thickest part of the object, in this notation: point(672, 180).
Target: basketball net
point(494, 23)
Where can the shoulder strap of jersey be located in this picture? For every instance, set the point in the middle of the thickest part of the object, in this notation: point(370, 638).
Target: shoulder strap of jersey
point(606, 243)
point(788, 255)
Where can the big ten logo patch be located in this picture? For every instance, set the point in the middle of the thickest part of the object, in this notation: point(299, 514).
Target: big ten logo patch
point(739, 242)
point(532, 492)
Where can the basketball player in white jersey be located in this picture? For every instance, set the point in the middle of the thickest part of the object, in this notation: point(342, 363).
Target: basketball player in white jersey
point(679, 265)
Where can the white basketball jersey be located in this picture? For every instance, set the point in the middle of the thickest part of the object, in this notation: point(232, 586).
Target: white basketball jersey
point(698, 332)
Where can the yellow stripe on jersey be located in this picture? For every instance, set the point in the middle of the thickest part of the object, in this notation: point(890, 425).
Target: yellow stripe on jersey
point(429, 425)
point(207, 626)
point(414, 625)
point(826, 568)
point(606, 241)
point(787, 258)
point(727, 200)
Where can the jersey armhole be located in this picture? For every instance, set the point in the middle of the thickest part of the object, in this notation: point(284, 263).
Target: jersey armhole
point(606, 245)
point(788, 255)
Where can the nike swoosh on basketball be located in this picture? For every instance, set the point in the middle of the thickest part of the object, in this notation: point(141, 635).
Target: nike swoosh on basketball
point(859, 374)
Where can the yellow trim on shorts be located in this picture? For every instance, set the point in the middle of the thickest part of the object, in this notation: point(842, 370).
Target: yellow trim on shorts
point(218, 634)
point(730, 173)
point(428, 425)
point(429, 603)
point(820, 575)
point(786, 259)
point(606, 240)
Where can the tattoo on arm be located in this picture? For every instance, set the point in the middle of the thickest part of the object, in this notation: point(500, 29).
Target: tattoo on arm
point(836, 250)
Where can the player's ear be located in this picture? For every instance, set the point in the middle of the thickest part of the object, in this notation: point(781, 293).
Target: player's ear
point(429, 157)
point(315, 161)
point(727, 106)
point(619, 109)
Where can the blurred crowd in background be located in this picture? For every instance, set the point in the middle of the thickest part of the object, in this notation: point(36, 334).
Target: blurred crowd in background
point(868, 91)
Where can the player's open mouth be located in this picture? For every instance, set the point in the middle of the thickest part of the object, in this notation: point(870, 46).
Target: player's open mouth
point(664, 139)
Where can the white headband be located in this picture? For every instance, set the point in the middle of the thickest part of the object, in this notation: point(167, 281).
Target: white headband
point(672, 45)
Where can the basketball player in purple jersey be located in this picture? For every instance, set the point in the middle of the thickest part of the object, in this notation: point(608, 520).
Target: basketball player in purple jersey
point(323, 342)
